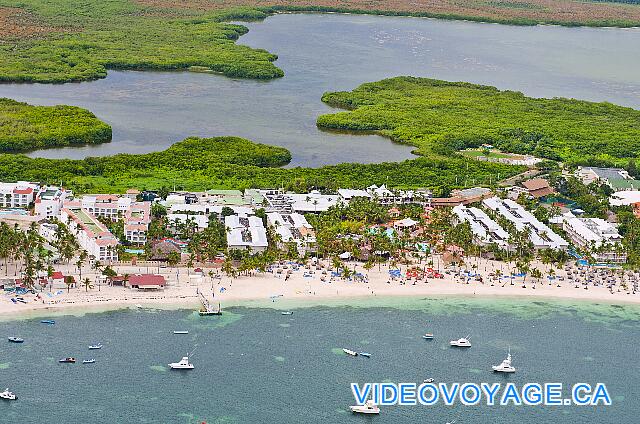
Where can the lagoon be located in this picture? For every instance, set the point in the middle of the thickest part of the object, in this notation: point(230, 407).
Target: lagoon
point(328, 52)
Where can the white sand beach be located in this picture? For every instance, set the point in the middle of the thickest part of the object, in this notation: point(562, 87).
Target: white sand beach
point(305, 285)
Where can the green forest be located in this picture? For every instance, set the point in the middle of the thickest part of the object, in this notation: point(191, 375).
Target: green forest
point(441, 117)
point(96, 35)
point(231, 162)
point(26, 127)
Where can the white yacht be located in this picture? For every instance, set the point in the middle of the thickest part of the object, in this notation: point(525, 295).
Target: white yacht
point(8, 395)
point(350, 352)
point(184, 364)
point(95, 346)
point(505, 366)
point(463, 342)
point(368, 408)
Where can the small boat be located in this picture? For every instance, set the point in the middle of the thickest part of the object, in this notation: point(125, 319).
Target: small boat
point(47, 321)
point(139, 306)
point(184, 364)
point(286, 313)
point(16, 339)
point(95, 346)
point(350, 352)
point(8, 395)
point(180, 332)
point(429, 380)
point(368, 408)
point(69, 360)
point(428, 336)
point(89, 361)
point(365, 354)
point(505, 366)
point(463, 342)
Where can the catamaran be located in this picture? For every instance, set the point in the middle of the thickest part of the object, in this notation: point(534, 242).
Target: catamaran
point(505, 366)
point(463, 342)
point(368, 408)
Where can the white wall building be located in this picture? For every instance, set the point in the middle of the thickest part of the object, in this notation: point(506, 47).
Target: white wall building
point(92, 235)
point(17, 195)
point(246, 232)
point(541, 236)
point(485, 229)
point(596, 234)
point(49, 201)
point(294, 228)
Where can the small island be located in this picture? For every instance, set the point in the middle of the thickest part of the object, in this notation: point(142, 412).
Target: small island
point(26, 127)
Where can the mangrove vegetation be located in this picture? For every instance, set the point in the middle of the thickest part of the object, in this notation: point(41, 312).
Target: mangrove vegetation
point(441, 117)
point(26, 127)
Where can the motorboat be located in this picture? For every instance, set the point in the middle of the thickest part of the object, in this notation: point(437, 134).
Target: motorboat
point(89, 361)
point(365, 354)
point(368, 408)
point(181, 332)
point(350, 352)
point(95, 346)
point(429, 380)
point(428, 336)
point(8, 395)
point(16, 339)
point(184, 364)
point(286, 313)
point(463, 342)
point(69, 360)
point(505, 366)
point(47, 321)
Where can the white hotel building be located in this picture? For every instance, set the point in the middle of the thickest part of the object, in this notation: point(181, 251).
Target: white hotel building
point(294, 228)
point(17, 195)
point(589, 233)
point(246, 232)
point(541, 236)
point(485, 229)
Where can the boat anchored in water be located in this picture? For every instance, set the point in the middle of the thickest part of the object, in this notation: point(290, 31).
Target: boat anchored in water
point(350, 352)
point(368, 408)
point(69, 360)
point(184, 364)
point(95, 346)
point(463, 342)
point(180, 332)
point(8, 395)
point(286, 313)
point(207, 308)
point(16, 339)
point(365, 354)
point(428, 336)
point(89, 361)
point(505, 366)
point(47, 321)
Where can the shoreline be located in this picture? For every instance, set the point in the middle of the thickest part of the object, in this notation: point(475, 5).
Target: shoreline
point(297, 291)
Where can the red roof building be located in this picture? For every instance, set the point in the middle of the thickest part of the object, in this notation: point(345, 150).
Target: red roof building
point(147, 281)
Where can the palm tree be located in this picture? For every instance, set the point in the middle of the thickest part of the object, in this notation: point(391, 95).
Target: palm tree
point(87, 284)
point(82, 257)
point(69, 281)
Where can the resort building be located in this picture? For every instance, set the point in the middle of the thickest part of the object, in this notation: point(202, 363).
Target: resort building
point(485, 230)
point(49, 201)
point(177, 219)
point(462, 197)
point(17, 195)
point(384, 196)
point(598, 236)
point(92, 235)
point(538, 187)
point(624, 198)
point(246, 232)
point(136, 222)
point(314, 201)
point(106, 205)
point(348, 194)
point(294, 228)
point(146, 282)
point(616, 178)
point(540, 235)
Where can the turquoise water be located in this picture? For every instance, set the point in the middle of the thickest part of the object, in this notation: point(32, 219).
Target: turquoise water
point(255, 365)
